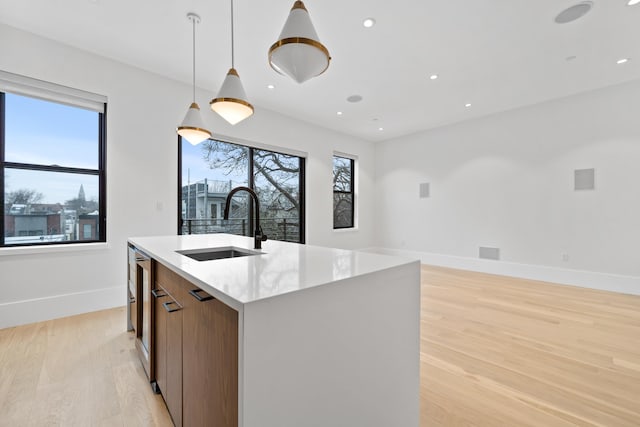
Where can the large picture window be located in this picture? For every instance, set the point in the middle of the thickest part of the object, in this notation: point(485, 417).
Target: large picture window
point(211, 169)
point(343, 193)
point(52, 165)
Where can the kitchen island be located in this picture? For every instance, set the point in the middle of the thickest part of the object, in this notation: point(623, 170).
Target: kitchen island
point(304, 335)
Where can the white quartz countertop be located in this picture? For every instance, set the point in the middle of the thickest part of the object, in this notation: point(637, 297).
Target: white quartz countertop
point(280, 268)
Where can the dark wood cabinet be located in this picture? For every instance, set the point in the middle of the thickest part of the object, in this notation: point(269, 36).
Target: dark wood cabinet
point(196, 351)
point(168, 340)
point(173, 396)
point(210, 361)
point(160, 334)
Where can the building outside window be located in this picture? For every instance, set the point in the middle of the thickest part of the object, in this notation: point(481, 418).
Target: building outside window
point(211, 169)
point(86, 232)
point(52, 163)
point(343, 192)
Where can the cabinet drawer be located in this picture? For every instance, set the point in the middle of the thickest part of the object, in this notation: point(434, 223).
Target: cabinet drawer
point(169, 281)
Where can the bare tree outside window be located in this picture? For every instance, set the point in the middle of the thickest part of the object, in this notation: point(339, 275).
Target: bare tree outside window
point(22, 196)
point(343, 203)
point(277, 179)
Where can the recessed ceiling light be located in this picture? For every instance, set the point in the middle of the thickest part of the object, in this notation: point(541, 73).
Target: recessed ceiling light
point(369, 22)
point(570, 58)
point(354, 98)
point(574, 12)
point(622, 60)
point(433, 76)
point(467, 105)
point(633, 2)
point(271, 87)
point(380, 128)
point(339, 113)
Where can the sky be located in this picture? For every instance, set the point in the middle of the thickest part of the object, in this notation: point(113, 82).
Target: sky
point(47, 133)
point(195, 168)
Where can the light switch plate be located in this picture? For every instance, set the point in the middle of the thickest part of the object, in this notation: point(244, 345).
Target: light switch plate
point(584, 179)
point(425, 190)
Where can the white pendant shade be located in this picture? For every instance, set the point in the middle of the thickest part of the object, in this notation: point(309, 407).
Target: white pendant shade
point(231, 103)
point(192, 128)
point(298, 52)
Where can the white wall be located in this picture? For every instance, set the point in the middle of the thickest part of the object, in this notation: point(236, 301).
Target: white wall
point(507, 181)
point(143, 111)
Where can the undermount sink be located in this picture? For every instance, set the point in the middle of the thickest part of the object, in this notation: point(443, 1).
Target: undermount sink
point(209, 254)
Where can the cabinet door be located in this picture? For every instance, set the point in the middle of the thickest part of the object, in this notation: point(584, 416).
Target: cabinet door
point(173, 396)
point(168, 342)
point(160, 330)
point(210, 361)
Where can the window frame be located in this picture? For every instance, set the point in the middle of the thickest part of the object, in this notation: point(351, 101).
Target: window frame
point(352, 192)
point(100, 172)
point(250, 180)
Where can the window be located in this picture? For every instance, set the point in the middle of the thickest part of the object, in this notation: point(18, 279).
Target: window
point(343, 199)
point(52, 163)
point(86, 230)
point(210, 170)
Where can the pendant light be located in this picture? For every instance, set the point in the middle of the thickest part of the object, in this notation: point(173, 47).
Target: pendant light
point(231, 103)
point(192, 128)
point(298, 53)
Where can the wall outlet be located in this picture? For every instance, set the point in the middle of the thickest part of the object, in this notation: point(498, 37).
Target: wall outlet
point(159, 206)
point(565, 257)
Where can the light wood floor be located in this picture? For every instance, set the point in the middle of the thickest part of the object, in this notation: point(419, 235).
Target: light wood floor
point(495, 351)
point(78, 371)
point(498, 351)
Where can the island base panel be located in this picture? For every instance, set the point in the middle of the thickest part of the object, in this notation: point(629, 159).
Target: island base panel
point(342, 355)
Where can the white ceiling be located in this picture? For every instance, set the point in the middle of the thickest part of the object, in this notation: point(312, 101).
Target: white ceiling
point(495, 54)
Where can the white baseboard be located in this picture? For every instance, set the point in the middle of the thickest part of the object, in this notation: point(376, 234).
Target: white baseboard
point(53, 307)
point(582, 278)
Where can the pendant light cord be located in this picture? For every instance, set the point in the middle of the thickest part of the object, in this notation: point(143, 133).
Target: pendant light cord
point(232, 40)
point(194, 59)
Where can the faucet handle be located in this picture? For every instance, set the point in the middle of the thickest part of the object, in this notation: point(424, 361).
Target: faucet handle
point(259, 232)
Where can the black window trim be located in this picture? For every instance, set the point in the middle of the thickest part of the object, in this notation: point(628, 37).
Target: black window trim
point(2, 123)
point(302, 183)
point(101, 172)
point(352, 164)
